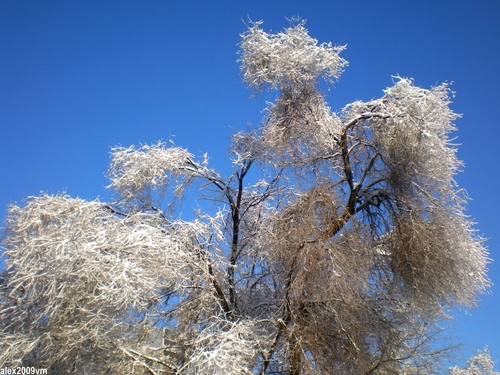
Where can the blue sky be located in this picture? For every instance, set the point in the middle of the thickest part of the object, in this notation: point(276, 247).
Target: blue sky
point(78, 77)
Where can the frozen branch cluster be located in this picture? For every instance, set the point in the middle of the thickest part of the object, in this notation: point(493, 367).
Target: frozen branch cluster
point(223, 348)
point(293, 62)
point(87, 279)
point(287, 58)
point(134, 171)
point(336, 245)
point(301, 124)
point(479, 364)
point(415, 139)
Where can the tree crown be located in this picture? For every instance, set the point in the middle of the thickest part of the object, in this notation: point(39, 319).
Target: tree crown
point(335, 246)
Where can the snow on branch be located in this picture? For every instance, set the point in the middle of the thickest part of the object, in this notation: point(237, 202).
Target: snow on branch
point(133, 170)
point(301, 123)
point(341, 254)
point(412, 136)
point(223, 348)
point(85, 276)
point(480, 364)
point(289, 57)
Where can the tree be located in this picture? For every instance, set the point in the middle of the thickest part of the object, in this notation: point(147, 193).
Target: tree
point(336, 245)
point(480, 364)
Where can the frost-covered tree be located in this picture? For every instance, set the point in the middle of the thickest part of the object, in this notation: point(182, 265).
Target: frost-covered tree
point(479, 364)
point(336, 245)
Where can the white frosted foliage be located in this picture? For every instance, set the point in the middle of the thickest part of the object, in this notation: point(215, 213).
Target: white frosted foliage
point(132, 169)
point(288, 57)
point(336, 242)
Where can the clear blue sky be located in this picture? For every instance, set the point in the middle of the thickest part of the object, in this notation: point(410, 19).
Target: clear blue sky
point(80, 76)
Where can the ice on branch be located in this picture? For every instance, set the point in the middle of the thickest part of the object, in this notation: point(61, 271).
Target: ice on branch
point(134, 170)
point(336, 244)
point(247, 145)
point(291, 57)
point(223, 348)
point(438, 258)
point(416, 140)
point(479, 364)
point(85, 277)
point(300, 123)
